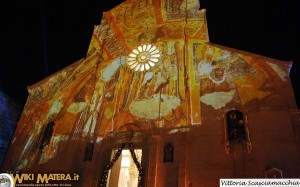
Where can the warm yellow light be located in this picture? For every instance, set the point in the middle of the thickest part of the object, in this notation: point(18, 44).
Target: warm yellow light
point(143, 57)
point(125, 162)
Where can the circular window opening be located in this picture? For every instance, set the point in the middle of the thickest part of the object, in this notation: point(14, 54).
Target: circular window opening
point(143, 57)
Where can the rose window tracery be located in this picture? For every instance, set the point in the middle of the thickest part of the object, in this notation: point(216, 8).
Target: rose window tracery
point(143, 57)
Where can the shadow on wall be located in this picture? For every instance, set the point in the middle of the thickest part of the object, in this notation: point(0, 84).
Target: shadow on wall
point(9, 115)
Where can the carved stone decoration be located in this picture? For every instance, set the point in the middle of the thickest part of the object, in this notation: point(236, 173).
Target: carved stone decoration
point(273, 173)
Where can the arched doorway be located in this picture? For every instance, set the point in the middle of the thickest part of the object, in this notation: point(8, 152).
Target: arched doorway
point(125, 166)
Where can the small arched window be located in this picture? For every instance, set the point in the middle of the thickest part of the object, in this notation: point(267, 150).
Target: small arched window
point(89, 150)
point(168, 152)
point(236, 131)
point(47, 135)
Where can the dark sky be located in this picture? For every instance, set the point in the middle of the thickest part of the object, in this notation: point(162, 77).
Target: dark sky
point(40, 37)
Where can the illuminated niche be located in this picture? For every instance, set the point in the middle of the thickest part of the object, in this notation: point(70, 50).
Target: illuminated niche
point(143, 57)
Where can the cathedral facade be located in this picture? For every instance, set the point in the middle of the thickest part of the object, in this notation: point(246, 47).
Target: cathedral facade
point(155, 104)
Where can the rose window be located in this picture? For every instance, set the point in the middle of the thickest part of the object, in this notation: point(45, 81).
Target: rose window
point(143, 57)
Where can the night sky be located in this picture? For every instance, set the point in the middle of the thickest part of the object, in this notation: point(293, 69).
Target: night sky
point(39, 38)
